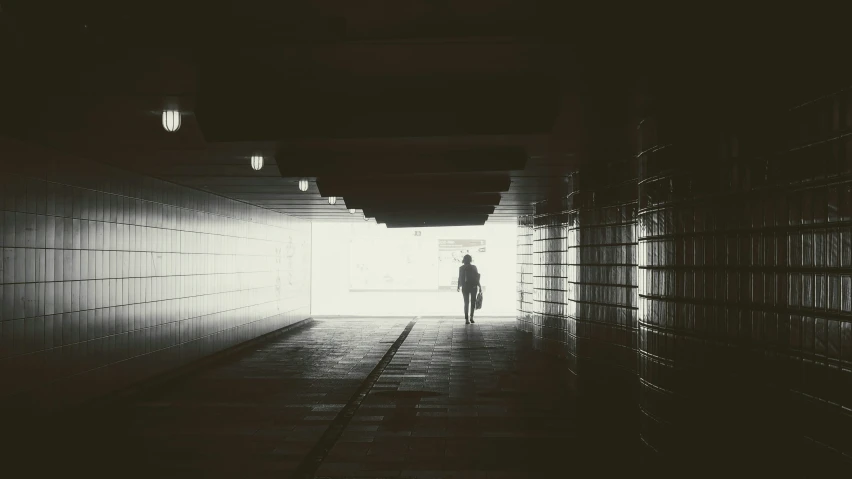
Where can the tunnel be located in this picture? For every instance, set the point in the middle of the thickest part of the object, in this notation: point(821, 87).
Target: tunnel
point(235, 235)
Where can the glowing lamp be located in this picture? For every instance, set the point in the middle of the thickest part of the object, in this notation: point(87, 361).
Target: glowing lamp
point(171, 120)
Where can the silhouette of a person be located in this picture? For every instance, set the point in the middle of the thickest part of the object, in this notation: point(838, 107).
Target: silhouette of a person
point(468, 284)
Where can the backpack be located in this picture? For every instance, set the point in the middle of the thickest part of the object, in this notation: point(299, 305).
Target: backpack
point(474, 279)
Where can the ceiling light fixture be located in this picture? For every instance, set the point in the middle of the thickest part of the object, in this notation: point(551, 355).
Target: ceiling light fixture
point(332, 200)
point(303, 184)
point(256, 162)
point(171, 120)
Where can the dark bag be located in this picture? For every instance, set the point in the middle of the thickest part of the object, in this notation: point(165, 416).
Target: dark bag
point(471, 281)
point(479, 300)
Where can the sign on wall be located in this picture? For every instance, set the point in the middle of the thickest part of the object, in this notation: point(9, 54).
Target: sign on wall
point(412, 263)
point(392, 264)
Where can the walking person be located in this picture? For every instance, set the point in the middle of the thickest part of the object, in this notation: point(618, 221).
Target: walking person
point(468, 284)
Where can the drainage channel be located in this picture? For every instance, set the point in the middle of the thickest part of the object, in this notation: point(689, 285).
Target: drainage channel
point(312, 461)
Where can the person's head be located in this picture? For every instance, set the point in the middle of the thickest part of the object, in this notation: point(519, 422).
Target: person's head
point(467, 259)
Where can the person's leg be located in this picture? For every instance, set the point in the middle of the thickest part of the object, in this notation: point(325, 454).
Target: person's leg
point(472, 303)
point(466, 301)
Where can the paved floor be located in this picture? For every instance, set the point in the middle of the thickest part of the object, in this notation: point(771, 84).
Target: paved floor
point(454, 401)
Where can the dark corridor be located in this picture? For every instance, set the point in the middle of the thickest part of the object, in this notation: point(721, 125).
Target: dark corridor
point(681, 182)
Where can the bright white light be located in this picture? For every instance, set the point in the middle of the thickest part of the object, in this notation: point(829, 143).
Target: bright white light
point(303, 184)
point(256, 162)
point(332, 200)
point(352, 211)
point(367, 254)
point(171, 120)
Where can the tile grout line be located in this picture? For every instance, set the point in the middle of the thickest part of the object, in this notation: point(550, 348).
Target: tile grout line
point(312, 461)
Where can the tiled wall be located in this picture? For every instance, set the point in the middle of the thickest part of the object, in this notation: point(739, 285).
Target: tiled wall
point(585, 277)
point(602, 293)
point(108, 277)
point(551, 329)
point(732, 297)
point(524, 280)
point(744, 290)
point(818, 162)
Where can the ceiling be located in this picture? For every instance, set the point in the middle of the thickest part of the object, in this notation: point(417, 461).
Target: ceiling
point(418, 113)
point(422, 113)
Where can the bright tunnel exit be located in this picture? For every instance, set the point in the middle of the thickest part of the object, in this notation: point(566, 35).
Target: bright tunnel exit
point(370, 270)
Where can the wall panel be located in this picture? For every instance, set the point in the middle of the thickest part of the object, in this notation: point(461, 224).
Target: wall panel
point(553, 331)
point(108, 277)
point(602, 279)
point(742, 240)
point(525, 273)
point(585, 278)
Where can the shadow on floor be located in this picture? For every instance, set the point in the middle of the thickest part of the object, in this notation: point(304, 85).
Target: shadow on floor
point(455, 401)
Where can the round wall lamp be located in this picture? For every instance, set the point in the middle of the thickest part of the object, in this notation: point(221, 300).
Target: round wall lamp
point(332, 200)
point(256, 162)
point(303, 184)
point(171, 120)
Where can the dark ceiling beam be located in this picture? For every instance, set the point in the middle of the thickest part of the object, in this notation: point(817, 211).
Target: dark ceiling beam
point(438, 184)
point(319, 163)
point(427, 210)
point(241, 23)
point(406, 199)
point(169, 24)
point(435, 222)
point(401, 216)
point(286, 184)
point(232, 107)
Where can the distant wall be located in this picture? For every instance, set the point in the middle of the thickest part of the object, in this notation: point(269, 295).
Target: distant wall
point(331, 263)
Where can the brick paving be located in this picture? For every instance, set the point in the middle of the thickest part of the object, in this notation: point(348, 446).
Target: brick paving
point(461, 401)
point(456, 401)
